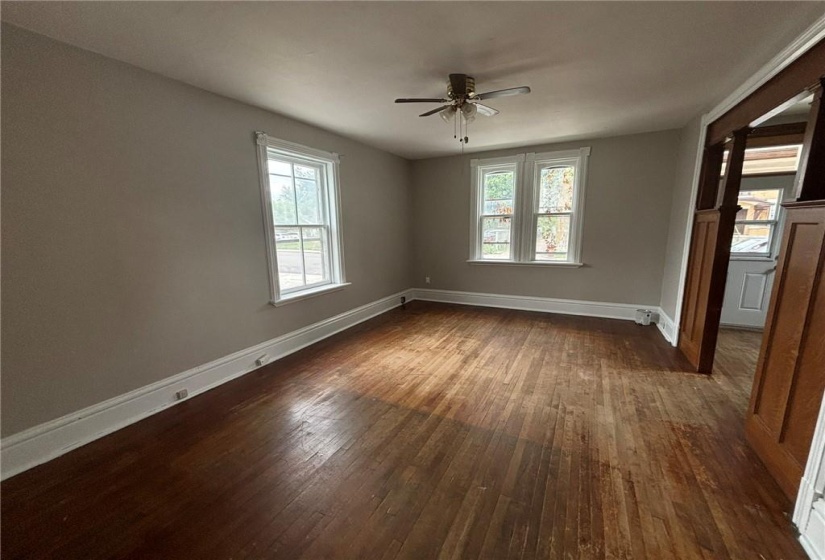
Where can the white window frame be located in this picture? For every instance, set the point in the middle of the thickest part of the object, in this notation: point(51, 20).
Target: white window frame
point(774, 225)
point(327, 163)
point(479, 168)
point(525, 212)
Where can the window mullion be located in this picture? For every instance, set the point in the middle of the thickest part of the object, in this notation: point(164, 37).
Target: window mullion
point(528, 209)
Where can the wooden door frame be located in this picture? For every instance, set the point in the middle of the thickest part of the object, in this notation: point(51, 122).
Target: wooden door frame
point(803, 44)
point(716, 208)
point(703, 304)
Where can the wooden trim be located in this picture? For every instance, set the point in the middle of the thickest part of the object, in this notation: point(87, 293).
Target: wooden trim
point(733, 170)
point(777, 135)
point(803, 74)
point(789, 380)
point(804, 204)
point(695, 307)
point(786, 129)
point(774, 174)
point(775, 141)
point(710, 253)
point(709, 177)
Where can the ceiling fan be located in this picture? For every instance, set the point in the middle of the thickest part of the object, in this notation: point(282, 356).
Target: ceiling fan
point(462, 97)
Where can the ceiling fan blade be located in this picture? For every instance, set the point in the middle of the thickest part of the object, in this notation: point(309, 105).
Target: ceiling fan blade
point(502, 93)
point(485, 110)
point(434, 111)
point(421, 100)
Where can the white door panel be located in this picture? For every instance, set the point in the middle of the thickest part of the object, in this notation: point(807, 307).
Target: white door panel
point(753, 291)
point(748, 292)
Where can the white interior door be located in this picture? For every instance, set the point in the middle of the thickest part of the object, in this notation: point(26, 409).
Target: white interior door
point(748, 292)
point(753, 252)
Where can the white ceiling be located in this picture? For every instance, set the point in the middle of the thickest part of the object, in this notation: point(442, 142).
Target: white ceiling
point(596, 68)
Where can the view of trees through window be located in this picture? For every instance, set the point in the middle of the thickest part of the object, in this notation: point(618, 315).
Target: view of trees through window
point(555, 205)
point(301, 232)
point(529, 218)
point(497, 213)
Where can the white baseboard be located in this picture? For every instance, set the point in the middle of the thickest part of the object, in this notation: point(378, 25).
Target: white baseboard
point(42, 443)
point(809, 510)
point(667, 327)
point(813, 537)
point(529, 303)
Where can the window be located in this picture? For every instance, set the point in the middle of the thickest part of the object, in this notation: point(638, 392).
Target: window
point(498, 192)
point(299, 188)
point(528, 208)
point(756, 222)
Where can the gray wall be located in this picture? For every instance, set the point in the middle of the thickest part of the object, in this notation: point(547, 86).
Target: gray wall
point(627, 207)
point(680, 212)
point(133, 246)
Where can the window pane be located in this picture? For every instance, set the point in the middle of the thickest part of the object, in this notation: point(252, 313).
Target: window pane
point(752, 238)
point(290, 263)
point(309, 206)
point(552, 238)
point(499, 187)
point(758, 205)
point(315, 255)
point(279, 167)
point(556, 194)
point(283, 200)
point(495, 238)
point(303, 172)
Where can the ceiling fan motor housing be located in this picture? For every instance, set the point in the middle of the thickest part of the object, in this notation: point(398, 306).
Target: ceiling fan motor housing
point(461, 86)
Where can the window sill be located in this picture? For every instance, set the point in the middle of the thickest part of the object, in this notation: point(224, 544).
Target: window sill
point(306, 294)
point(529, 263)
point(752, 258)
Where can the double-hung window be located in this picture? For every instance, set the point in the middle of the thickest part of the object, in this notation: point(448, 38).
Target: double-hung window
point(497, 181)
point(759, 212)
point(299, 191)
point(756, 222)
point(528, 208)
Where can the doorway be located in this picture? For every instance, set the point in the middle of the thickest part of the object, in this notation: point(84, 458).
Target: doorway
point(768, 175)
point(769, 170)
point(734, 243)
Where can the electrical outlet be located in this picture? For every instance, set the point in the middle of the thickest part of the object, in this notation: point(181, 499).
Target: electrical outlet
point(182, 394)
point(426, 279)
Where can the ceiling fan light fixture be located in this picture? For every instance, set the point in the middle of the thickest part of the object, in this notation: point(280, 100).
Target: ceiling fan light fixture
point(462, 97)
point(448, 113)
point(469, 111)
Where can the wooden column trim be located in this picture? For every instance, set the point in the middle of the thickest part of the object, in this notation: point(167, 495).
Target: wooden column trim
point(710, 177)
point(710, 252)
point(810, 178)
point(733, 171)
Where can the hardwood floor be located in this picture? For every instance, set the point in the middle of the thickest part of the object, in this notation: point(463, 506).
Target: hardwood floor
point(437, 431)
point(737, 351)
